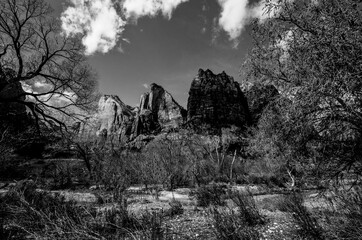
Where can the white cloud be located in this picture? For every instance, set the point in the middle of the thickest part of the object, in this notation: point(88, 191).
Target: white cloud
point(97, 20)
point(236, 14)
point(233, 17)
point(140, 8)
point(145, 85)
point(102, 26)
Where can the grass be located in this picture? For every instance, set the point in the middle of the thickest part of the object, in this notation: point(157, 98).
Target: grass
point(26, 212)
point(308, 223)
point(239, 222)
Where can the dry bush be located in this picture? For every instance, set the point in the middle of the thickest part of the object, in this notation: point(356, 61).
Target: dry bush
point(228, 225)
point(346, 220)
point(30, 213)
point(213, 194)
point(239, 222)
point(175, 208)
point(309, 227)
point(247, 208)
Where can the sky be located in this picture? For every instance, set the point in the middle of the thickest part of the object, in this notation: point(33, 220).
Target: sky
point(133, 43)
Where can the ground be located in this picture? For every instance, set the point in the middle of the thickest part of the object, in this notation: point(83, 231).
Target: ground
point(195, 222)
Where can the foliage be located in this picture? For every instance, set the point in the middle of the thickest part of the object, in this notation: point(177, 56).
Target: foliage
point(310, 50)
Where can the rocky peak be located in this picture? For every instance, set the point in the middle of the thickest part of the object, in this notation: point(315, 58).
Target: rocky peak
point(217, 101)
point(113, 120)
point(158, 110)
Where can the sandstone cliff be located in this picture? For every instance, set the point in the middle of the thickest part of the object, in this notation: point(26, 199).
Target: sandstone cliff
point(158, 111)
point(113, 121)
point(120, 123)
point(216, 101)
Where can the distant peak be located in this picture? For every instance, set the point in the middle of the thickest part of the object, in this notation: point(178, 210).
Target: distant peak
point(208, 72)
point(155, 86)
point(110, 96)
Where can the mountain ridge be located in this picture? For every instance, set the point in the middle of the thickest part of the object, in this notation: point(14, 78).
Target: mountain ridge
point(215, 101)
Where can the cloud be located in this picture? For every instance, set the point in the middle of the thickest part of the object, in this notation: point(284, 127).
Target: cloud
point(62, 99)
point(233, 17)
point(102, 26)
point(145, 85)
point(97, 20)
point(236, 14)
point(141, 8)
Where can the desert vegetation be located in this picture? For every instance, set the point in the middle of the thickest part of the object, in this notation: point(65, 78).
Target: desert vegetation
point(294, 172)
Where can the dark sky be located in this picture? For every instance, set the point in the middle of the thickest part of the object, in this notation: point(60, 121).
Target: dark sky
point(166, 51)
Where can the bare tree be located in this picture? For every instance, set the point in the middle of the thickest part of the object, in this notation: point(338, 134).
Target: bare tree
point(49, 64)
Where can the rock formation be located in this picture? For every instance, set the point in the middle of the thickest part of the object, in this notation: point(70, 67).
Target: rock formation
point(121, 123)
point(113, 120)
point(216, 104)
point(216, 101)
point(259, 96)
point(157, 111)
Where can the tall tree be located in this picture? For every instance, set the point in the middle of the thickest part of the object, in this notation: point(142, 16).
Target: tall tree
point(49, 65)
point(311, 50)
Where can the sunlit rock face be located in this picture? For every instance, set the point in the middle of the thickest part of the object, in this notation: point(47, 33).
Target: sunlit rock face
point(120, 123)
point(113, 121)
point(216, 101)
point(259, 96)
point(158, 111)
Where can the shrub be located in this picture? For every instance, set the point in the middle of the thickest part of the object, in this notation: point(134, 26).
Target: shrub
point(247, 208)
point(176, 208)
point(152, 226)
point(28, 212)
point(239, 222)
point(309, 226)
point(347, 220)
point(229, 225)
point(210, 195)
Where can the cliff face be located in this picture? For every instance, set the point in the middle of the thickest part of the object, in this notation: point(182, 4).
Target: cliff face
point(158, 111)
point(115, 120)
point(217, 101)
